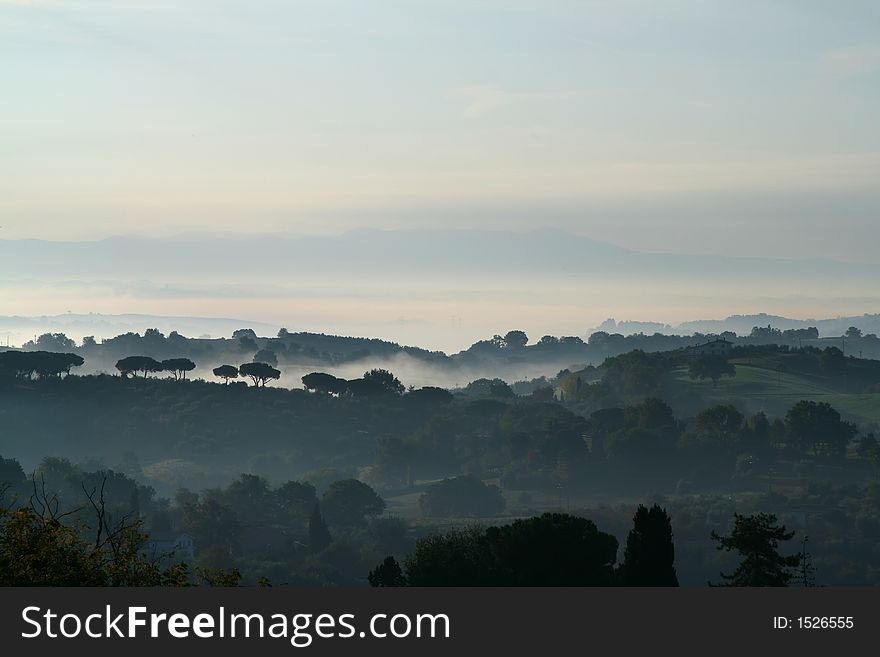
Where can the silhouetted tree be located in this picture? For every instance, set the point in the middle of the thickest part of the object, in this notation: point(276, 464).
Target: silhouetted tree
point(387, 574)
point(42, 364)
point(259, 373)
point(385, 379)
point(555, 549)
point(178, 367)
point(516, 339)
point(49, 364)
point(365, 388)
point(154, 335)
point(131, 365)
point(756, 538)
point(324, 383)
point(649, 556)
point(459, 557)
point(226, 372)
point(51, 342)
point(246, 339)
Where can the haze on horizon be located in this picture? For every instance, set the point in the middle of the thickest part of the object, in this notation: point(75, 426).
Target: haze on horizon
point(712, 128)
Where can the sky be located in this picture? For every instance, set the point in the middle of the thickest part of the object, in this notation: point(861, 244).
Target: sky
point(628, 120)
point(705, 127)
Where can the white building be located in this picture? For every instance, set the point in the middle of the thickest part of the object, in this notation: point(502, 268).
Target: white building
point(167, 544)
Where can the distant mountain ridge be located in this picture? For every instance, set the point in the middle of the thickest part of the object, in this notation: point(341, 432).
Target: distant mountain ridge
point(743, 324)
point(547, 252)
point(104, 325)
point(111, 325)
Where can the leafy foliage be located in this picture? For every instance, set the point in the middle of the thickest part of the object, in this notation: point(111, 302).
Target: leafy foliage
point(649, 556)
point(756, 538)
point(711, 367)
point(259, 373)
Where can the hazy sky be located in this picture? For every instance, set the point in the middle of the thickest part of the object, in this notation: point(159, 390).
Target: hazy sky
point(677, 125)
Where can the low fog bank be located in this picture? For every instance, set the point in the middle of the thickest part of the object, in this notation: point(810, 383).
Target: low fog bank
point(436, 289)
point(412, 372)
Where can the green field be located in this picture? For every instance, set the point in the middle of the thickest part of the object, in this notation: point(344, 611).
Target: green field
point(756, 388)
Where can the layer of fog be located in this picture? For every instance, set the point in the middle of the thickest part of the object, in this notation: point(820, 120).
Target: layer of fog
point(439, 290)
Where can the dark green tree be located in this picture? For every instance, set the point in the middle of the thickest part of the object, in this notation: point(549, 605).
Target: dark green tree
point(459, 557)
point(51, 342)
point(756, 538)
point(429, 395)
point(366, 389)
point(720, 426)
point(833, 361)
point(131, 365)
point(386, 379)
point(226, 372)
point(324, 383)
point(711, 367)
point(178, 367)
point(515, 340)
point(347, 503)
point(555, 549)
point(296, 499)
point(319, 535)
point(818, 428)
point(11, 473)
point(259, 373)
point(649, 556)
point(387, 574)
point(40, 364)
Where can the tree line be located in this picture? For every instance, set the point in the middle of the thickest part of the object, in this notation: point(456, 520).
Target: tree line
point(38, 364)
point(559, 549)
point(42, 546)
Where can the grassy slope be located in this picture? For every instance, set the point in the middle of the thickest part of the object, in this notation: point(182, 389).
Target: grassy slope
point(758, 387)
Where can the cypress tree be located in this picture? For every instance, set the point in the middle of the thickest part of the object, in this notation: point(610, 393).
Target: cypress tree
point(649, 556)
point(319, 535)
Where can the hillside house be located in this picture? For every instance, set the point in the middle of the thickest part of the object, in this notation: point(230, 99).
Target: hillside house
point(719, 347)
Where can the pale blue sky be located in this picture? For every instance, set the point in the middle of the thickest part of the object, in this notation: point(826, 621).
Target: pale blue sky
point(675, 125)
